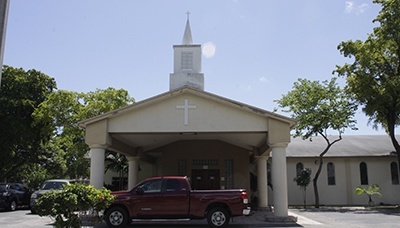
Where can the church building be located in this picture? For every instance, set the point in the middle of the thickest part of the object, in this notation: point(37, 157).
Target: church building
point(217, 142)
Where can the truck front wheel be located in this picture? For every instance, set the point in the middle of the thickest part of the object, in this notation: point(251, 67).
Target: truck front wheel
point(218, 217)
point(116, 217)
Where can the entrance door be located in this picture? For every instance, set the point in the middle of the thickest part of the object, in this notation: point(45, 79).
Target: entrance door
point(205, 179)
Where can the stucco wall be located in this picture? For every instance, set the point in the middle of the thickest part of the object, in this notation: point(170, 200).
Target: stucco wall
point(166, 117)
point(347, 174)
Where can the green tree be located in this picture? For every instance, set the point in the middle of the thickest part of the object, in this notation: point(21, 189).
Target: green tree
point(370, 191)
point(21, 138)
point(374, 76)
point(65, 109)
point(303, 180)
point(318, 108)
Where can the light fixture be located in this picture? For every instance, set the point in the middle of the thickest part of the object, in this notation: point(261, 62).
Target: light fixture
point(188, 133)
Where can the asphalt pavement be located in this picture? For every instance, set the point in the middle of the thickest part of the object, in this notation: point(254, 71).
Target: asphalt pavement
point(323, 217)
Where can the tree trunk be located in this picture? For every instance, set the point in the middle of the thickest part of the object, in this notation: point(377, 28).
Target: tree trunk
point(315, 182)
point(391, 122)
point(370, 202)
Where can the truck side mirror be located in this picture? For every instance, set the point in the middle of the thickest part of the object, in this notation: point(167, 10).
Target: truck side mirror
point(139, 191)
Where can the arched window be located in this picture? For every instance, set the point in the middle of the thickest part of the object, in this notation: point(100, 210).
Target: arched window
point(394, 170)
point(331, 173)
point(299, 167)
point(363, 173)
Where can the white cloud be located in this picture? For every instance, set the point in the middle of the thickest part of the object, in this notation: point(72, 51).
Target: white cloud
point(352, 7)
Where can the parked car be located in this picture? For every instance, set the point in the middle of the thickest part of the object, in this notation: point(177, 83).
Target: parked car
point(170, 198)
point(13, 195)
point(48, 185)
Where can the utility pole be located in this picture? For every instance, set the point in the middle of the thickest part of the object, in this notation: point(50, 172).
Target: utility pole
point(3, 27)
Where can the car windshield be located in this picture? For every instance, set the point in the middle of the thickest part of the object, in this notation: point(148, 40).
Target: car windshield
point(53, 185)
point(3, 188)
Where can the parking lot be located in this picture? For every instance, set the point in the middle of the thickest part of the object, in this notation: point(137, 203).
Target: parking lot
point(325, 217)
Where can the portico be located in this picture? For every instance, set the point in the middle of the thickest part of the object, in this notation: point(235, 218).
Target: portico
point(187, 131)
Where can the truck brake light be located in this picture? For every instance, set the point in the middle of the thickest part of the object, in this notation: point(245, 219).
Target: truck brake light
point(243, 195)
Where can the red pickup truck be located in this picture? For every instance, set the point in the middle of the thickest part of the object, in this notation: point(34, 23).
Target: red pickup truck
point(170, 198)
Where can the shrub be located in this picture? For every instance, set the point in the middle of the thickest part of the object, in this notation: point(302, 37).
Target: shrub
point(75, 201)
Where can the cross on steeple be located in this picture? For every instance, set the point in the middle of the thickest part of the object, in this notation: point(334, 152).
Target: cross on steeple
point(188, 14)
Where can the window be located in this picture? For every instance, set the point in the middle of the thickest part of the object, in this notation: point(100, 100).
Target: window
point(229, 174)
point(173, 186)
point(394, 170)
point(205, 162)
point(331, 173)
point(299, 167)
point(152, 186)
point(182, 168)
point(363, 173)
point(187, 60)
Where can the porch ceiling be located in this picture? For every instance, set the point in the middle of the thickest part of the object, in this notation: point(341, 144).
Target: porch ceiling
point(149, 141)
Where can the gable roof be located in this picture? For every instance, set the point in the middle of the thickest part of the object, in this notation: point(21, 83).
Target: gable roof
point(190, 90)
point(349, 146)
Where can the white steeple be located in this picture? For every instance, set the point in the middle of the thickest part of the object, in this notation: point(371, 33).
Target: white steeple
point(187, 63)
point(187, 36)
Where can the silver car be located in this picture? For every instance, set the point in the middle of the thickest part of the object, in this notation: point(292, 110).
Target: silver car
point(48, 185)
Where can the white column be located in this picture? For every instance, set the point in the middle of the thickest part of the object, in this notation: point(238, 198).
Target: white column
point(97, 165)
point(133, 171)
point(262, 182)
point(4, 6)
point(279, 179)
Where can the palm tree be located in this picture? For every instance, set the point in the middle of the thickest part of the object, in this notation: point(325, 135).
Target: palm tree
point(117, 163)
point(370, 191)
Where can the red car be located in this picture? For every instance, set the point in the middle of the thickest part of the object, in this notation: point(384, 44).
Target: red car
point(170, 198)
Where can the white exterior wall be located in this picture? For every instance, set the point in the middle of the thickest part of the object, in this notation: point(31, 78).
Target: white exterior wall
point(195, 49)
point(171, 118)
point(347, 173)
point(192, 77)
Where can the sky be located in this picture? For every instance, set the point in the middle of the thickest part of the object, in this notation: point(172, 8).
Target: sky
point(261, 47)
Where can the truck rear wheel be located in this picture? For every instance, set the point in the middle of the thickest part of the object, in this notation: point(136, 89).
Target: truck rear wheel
point(218, 217)
point(117, 217)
